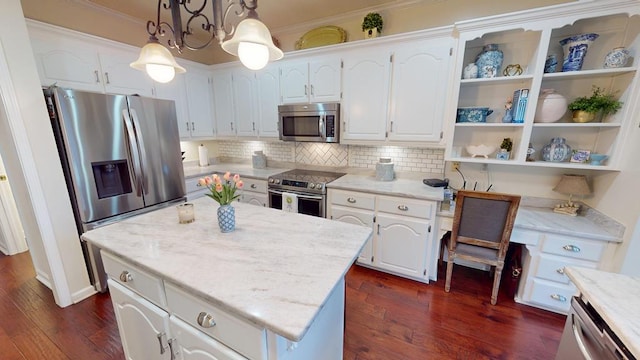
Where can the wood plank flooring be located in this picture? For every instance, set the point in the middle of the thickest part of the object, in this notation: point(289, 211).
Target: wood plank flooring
point(387, 317)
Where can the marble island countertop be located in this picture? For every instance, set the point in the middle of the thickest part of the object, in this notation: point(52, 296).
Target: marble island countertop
point(615, 298)
point(267, 271)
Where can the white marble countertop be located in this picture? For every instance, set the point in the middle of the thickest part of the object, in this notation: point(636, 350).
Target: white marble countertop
point(407, 187)
point(542, 219)
point(245, 170)
point(267, 271)
point(616, 298)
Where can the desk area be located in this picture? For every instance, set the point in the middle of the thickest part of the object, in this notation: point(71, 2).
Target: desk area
point(553, 241)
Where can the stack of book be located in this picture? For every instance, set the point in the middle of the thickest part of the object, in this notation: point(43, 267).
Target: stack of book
point(520, 98)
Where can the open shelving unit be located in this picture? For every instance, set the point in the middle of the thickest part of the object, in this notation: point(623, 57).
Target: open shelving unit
point(527, 38)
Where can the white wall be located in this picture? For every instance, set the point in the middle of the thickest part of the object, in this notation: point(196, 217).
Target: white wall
point(33, 166)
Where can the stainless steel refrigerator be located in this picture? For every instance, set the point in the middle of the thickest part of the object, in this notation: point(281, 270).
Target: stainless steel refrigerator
point(120, 155)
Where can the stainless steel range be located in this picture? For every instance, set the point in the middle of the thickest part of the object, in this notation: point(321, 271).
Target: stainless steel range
point(308, 186)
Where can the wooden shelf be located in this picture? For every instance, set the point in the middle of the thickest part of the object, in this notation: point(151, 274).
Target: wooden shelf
point(496, 80)
point(576, 125)
point(585, 74)
point(537, 163)
point(489, 124)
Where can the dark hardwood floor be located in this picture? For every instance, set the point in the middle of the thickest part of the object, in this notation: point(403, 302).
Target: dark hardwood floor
point(387, 317)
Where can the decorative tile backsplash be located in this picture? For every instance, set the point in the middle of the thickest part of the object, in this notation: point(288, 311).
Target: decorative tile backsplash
point(404, 159)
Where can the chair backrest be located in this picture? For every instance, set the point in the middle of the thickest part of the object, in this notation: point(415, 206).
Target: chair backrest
point(484, 219)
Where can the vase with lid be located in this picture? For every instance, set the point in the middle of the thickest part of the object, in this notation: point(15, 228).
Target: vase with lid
point(551, 106)
point(557, 150)
point(489, 61)
point(575, 49)
point(616, 58)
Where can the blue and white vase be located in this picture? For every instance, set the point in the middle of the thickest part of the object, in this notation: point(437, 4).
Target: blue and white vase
point(489, 61)
point(551, 64)
point(575, 49)
point(226, 218)
point(616, 58)
point(557, 150)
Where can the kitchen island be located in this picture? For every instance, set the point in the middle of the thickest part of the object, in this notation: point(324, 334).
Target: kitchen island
point(272, 289)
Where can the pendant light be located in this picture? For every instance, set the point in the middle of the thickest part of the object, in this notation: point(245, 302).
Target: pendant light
point(157, 61)
point(252, 43)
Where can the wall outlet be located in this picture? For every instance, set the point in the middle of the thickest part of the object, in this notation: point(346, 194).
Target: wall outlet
point(455, 165)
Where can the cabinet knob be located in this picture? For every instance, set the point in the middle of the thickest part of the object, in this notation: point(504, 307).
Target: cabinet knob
point(351, 200)
point(560, 271)
point(206, 320)
point(126, 276)
point(571, 248)
point(253, 186)
point(403, 207)
point(558, 297)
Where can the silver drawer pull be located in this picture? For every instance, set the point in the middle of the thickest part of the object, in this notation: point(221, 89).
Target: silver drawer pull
point(403, 207)
point(351, 200)
point(126, 276)
point(558, 297)
point(206, 320)
point(572, 248)
point(560, 271)
point(253, 186)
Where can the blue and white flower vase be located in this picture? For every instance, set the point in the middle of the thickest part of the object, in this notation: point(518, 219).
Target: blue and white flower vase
point(616, 58)
point(575, 49)
point(557, 150)
point(551, 64)
point(489, 61)
point(226, 218)
point(508, 117)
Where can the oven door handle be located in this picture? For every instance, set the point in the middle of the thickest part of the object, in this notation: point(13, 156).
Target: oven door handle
point(300, 196)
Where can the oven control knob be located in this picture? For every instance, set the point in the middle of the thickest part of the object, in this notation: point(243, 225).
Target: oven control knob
point(270, 181)
point(312, 185)
point(277, 181)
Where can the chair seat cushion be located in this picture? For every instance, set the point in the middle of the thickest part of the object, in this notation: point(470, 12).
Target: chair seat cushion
point(477, 251)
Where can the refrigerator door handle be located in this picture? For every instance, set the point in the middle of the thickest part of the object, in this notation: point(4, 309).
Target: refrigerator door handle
point(133, 151)
point(144, 181)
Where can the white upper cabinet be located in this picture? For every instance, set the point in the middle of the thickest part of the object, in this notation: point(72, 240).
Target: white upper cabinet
point(199, 98)
point(527, 39)
point(244, 96)
point(313, 81)
point(81, 64)
point(268, 88)
point(223, 104)
point(420, 74)
point(176, 90)
point(365, 94)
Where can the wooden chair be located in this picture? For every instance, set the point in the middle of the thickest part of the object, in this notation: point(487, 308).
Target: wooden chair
point(482, 226)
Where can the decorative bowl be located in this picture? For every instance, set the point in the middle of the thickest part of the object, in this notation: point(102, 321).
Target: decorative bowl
point(597, 159)
point(480, 150)
point(473, 114)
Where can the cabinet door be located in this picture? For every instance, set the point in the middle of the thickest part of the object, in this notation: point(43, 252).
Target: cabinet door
point(191, 344)
point(245, 102)
point(199, 98)
point(294, 83)
point(66, 63)
point(119, 77)
point(222, 82)
point(418, 90)
point(357, 217)
point(401, 245)
point(324, 80)
point(143, 326)
point(255, 199)
point(176, 90)
point(268, 89)
point(366, 95)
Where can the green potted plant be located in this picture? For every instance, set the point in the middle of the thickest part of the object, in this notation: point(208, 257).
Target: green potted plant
point(599, 103)
point(505, 149)
point(372, 25)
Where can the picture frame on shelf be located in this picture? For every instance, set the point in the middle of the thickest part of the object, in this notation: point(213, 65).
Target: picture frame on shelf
point(580, 156)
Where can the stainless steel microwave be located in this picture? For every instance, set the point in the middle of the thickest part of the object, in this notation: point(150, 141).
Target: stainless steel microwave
point(318, 122)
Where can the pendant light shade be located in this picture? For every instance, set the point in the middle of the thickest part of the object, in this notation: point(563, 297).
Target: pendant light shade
point(252, 43)
point(157, 61)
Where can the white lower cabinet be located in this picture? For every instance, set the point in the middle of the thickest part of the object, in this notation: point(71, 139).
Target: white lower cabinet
point(255, 192)
point(191, 344)
point(403, 241)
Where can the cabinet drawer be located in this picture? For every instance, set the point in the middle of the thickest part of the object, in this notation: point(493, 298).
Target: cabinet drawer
point(408, 207)
point(551, 267)
point(552, 295)
point(238, 334)
point(353, 199)
point(145, 284)
point(255, 185)
point(192, 185)
point(573, 247)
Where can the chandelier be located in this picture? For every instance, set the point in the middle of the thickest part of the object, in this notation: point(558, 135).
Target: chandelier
point(251, 40)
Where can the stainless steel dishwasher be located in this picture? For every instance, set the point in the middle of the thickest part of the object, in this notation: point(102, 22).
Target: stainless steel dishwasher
point(587, 336)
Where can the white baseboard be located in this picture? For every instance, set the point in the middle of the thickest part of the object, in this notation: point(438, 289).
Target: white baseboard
point(83, 294)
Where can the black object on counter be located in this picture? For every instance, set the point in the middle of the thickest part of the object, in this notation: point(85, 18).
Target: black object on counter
point(436, 182)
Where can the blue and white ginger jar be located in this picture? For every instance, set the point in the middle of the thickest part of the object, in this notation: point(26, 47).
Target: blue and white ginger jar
point(489, 61)
point(616, 58)
point(557, 150)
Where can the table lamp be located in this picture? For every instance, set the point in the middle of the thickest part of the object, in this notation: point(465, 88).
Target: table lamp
point(571, 185)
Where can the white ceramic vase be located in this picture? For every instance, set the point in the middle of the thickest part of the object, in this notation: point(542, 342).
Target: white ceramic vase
point(551, 106)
